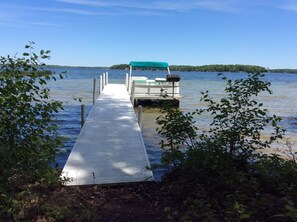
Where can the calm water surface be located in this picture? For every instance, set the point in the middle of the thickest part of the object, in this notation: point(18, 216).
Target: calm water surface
point(79, 84)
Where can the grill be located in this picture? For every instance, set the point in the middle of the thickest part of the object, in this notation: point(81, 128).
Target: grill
point(173, 78)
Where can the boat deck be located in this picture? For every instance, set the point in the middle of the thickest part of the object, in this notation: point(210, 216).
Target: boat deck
point(109, 148)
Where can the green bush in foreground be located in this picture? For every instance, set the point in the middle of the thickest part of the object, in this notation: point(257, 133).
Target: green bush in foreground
point(28, 136)
point(221, 174)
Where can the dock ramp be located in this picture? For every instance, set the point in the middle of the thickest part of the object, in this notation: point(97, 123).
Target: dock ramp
point(109, 148)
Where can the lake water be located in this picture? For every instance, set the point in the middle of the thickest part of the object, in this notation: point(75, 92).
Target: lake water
point(79, 84)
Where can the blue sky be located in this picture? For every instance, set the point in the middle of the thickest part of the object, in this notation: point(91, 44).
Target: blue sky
point(181, 32)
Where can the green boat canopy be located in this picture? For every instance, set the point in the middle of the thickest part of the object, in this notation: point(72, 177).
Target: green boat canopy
point(149, 64)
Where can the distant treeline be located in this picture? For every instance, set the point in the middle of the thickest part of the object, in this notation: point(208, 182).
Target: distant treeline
point(120, 66)
point(81, 67)
point(207, 68)
point(292, 71)
point(35, 73)
point(218, 68)
point(38, 73)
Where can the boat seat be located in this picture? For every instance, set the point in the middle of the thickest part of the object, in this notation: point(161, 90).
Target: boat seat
point(160, 79)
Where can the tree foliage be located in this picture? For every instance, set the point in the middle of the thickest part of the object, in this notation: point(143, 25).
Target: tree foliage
point(120, 66)
point(28, 135)
point(239, 119)
point(219, 68)
point(206, 68)
point(179, 130)
point(220, 174)
point(291, 71)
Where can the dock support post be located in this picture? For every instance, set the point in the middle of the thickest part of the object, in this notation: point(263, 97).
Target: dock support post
point(149, 89)
point(106, 78)
point(127, 81)
point(83, 111)
point(129, 84)
point(94, 91)
point(132, 93)
point(101, 84)
point(139, 116)
point(103, 78)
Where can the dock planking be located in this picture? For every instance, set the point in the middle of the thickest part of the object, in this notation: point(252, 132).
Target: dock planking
point(109, 148)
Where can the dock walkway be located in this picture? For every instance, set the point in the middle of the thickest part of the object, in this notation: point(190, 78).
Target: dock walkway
point(109, 148)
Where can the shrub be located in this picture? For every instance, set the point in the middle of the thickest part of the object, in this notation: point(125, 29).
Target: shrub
point(239, 119)
point(178, 129)
point(28, 136)
point(222, 171)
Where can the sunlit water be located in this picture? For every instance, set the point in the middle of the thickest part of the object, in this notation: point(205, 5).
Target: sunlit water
point(79, 84)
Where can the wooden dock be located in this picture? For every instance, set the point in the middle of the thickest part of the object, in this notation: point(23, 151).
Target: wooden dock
point(109, 148)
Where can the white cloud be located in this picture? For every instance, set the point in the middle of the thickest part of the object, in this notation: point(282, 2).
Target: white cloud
point(290, 7)
point(182, 5)
point(16, 23)
point(62, 10)
point(18, 16)
point(44, 24)
point(173, 5)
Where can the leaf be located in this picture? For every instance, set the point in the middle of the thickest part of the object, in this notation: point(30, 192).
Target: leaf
point(27, 128)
